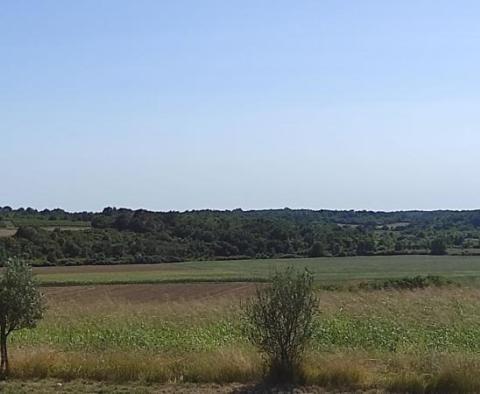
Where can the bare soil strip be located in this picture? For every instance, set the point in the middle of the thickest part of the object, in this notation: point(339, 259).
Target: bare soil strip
point(148, 292)
point(104, 268)
point(7, 232)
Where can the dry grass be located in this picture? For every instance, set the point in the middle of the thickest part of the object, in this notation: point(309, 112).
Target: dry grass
point(449, 379)
point(336, 372)
point(444, 305)
point(222, 366)
point(7, 232)
point(115, 349)
point(343, 371)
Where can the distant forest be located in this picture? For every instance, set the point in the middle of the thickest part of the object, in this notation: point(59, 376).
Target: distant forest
point(114, 236)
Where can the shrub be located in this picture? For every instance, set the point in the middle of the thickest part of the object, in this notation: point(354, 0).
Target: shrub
point(20, 304)
point(279, 322)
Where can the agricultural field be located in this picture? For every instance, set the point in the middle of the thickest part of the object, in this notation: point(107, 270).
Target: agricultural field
point(337, 270)
point(8, 228)
point(45, 223)
point(144, 336)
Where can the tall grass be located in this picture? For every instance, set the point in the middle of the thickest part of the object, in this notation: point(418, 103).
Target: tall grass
point(432, 320)
point(221, 366)
point(407, 341)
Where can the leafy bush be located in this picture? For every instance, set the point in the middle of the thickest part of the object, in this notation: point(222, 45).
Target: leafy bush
point(438, 247)
point(21, 304)
point(279, 322)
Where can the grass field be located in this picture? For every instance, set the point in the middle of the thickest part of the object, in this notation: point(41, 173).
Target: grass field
point(48, 223)
point(181, 333)
point(9, 228)
point(143, 335)
point(326, 270)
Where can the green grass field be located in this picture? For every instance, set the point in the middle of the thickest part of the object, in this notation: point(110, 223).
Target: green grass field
point(326, 270)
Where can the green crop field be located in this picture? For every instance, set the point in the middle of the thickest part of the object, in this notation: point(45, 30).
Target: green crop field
point(326, 270)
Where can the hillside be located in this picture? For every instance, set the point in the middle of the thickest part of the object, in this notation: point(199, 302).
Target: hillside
point(56, 237)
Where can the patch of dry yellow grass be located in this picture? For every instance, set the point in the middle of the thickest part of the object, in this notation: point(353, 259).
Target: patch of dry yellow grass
point(223, 366)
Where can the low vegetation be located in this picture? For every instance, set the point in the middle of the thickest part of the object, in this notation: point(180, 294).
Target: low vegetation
point(278, 321)
point(397, 339)
point(407, 283)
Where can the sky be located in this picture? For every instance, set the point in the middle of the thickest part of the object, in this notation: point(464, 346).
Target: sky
point(252, 104)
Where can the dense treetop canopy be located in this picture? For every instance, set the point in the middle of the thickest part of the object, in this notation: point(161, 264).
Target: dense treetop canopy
point(139, 236)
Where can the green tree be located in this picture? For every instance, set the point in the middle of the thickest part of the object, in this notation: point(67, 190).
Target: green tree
point(438, 247)
point(316, 250)
point(21, 304)
point(279, 321)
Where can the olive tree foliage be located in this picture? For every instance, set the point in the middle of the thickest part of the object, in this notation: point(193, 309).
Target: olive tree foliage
point(279, 320)
point(21, 304)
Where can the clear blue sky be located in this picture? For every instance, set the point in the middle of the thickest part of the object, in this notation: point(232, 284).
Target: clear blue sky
point(252, 104)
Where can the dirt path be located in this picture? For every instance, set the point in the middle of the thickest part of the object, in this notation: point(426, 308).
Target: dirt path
point(53, 386)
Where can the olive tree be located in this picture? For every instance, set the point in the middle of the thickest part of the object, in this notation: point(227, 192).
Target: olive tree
point(279, 321)
point(21, 304)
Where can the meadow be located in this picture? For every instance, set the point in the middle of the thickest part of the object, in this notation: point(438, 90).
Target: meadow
point(145, 334)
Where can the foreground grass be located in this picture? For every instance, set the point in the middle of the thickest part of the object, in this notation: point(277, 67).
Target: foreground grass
point(325, 269)
point(47, 386)
point(403, 341)
point(437, 373)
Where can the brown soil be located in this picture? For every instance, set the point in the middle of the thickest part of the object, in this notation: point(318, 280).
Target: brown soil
point(104, 268)
point(78, 386)
point(149, 292)
point(7, 232)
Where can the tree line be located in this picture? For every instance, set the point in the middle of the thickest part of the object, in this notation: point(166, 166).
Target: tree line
point(56, 237)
